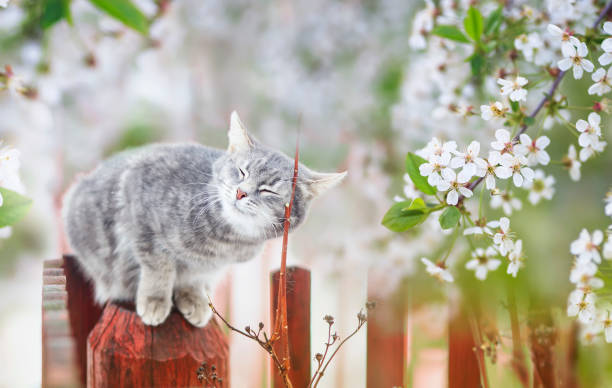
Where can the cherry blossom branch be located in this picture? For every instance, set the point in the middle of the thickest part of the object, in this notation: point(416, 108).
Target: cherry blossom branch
point(545, 99)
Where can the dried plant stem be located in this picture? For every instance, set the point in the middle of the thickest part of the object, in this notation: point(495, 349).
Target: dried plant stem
point(264, 343)
point(281, 328)
point(321, 371)
point(328, 344)
point(479, 349)
point(518, 356)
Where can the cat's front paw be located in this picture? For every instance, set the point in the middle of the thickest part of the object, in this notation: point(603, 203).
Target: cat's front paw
point(193, 306)
point(153, 310)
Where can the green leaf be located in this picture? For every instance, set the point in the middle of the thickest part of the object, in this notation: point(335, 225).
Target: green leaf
point(473, 24)
point(450, 32)
point(125, 12)
point(13, 208)
point(404, 215)
point(493, 21)
point(477, 62)
point(54, 11)
point(412, 168)
point(514, 105)
point(449, 217)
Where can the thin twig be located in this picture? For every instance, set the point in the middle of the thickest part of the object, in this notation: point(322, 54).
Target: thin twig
point(518, 357)
point(322, 372)
point(477, 336)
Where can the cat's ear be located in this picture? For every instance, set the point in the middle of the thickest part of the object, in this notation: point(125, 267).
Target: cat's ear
point(319, 182)
point(239, 139)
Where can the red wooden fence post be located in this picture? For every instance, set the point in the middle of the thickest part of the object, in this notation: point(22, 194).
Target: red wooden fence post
point(386, 342)
point(83, 312)
point(298, 319)
point(124, 352)
point(463, 368)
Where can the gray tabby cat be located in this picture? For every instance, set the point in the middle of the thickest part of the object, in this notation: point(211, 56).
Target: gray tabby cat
point(156, 225)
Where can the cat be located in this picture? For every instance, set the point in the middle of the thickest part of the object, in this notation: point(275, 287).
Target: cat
point(156, 225)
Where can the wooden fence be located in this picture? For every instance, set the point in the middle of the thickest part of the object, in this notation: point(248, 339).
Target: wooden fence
point(85, 345)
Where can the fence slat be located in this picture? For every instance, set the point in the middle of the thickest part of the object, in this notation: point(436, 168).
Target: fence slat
point(58, 347)
point(386, 343)
point(462, 362)
point(298, 319)
point(124, 352)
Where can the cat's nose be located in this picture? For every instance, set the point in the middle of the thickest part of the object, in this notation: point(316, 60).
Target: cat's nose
point(240, 194)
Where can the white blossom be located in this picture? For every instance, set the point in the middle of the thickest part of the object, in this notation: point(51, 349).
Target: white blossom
point(483, 261)
point(592, 149)
point(581, 304)
point(502, 238)
point(577, 60)
point(436, 147)
point(534, 149)
point(567, 40)
point(572, 164)
point(602, 81)
point(514, 89)
point(493, 110)
point(606, 46)
point(477, 229)
point(515, 256)
point(423, 23)
point(608, 202)
point(518, 165)
point(583, 275)
point(589, 131)
point(469, 161)
point(540, 187)
point(506, 201)
point(586, 247)
point(9, 169)
point(433, 168)
point(4, 3)
point(604, 324)
point(504, 142)
point(528, 44)
point(438, 271)
point(494, 169)
point(455, 186)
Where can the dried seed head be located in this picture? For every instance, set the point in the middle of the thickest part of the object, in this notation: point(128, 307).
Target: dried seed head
point(329, 319)
point(261, 325)
point(370, 305)
point(362, 317)
point(247, 329)
point(318, 356)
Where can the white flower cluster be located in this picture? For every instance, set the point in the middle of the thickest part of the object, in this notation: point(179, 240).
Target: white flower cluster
point(574, 52)
point(486, 259)
point(9, 177)
point(451, 171)
point(583, 302)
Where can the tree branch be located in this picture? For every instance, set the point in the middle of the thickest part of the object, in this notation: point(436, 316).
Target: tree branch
point(546, 98)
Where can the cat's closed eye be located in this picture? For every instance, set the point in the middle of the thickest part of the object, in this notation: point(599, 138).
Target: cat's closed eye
point(242, 173)
point(267, 190)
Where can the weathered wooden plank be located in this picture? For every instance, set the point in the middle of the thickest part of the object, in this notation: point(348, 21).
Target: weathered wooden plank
point(123, 352)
